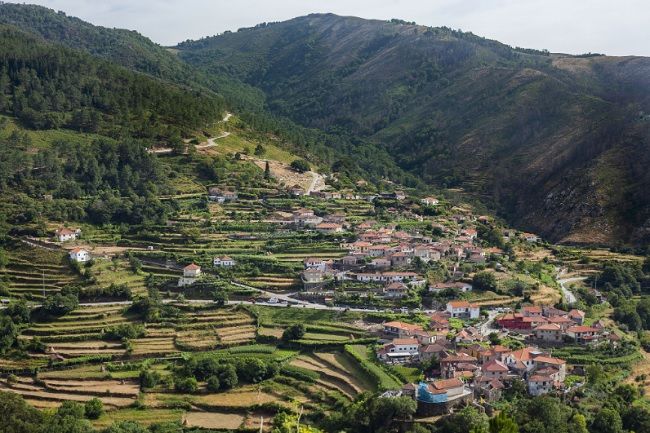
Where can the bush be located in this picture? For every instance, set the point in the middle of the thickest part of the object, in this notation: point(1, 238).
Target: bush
point(188, 385)
point(294, 332)
point(149, 379)
point(300, 165)
point(484, 281)
point(125, 330)
point(94, 408)
point(214, 384)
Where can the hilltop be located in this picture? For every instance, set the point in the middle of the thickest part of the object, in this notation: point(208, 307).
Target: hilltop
point(555, 143)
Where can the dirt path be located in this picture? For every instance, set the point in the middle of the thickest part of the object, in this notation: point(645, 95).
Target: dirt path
point(206, 144)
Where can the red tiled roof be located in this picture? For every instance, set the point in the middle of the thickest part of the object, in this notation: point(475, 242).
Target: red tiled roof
point(192, 267)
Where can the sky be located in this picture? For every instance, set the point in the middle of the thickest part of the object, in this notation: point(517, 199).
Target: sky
point(614, 27)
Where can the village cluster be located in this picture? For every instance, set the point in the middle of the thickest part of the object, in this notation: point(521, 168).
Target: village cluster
point(470, 368)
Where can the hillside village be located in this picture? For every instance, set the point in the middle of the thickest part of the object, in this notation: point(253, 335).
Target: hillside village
point(335, 291)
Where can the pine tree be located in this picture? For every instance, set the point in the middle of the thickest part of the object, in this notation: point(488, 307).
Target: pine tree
point(267, 171)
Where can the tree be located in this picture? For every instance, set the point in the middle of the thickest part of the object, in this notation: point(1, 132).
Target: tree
point(8, 333)
point(578, 424)
point(18, 311)
point(259, 150)
point(502, 423)
point(187, 385)
point(18, 416)
point(294, 332)
point(213, 384)
point(220, 297)
point(60, 304)
point(300, 165)
point(484, 281)
point(607, 421)
point(267, 171)
point(149, 378)
point(228, 377)
point(94, 408)
point(636, 419)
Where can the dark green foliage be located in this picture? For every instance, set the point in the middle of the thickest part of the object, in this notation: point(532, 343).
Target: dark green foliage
point(543, 415)
point(300, 165)
point(149, 378)
point(467, 420)
point(372, 414)
point(48, 87)
point(8, 333)
point(502, 423)
point(484, 281)
point(60, 304)
point(213, 384)
point(18, 311)
point(125, 331)
point(94, 408)
point(294, 332)
point(186, 384)
point(220, 297)
point(18, 416)
point(607, 421)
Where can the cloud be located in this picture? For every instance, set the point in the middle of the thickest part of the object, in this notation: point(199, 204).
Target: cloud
point(577, 26)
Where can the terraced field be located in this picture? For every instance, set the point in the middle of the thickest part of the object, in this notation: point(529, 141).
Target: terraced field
point(34, 273)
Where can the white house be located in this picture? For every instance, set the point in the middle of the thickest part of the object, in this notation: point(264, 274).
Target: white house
point(400, 350)
point(191, 273)
point(429, 201)
point(463, 310)
point(224, 262)
point(396, 290)
point(65, 234)
point(79, 255)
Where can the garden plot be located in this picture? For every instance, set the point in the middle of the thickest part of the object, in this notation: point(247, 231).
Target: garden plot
point(153, 346)
point(34, 392)
point(330, 376)
point(196, 340)
point(213, 420)
point(143, 417)
point(237, 398)
point(121, 388)
point(83, 348)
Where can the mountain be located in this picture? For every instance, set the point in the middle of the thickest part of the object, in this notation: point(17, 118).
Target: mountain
point(557, 144)
point(47, 86)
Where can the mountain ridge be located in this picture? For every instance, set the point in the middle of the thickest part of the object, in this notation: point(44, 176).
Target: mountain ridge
point(445, 103)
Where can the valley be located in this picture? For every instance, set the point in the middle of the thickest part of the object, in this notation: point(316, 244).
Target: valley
point(326, 224)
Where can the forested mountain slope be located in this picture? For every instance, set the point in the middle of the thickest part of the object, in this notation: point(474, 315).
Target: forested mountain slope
point(47, 87)
point(136, 52)
point(556, 143)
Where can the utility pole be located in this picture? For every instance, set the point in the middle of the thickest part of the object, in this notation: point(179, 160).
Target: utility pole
point(261, 423)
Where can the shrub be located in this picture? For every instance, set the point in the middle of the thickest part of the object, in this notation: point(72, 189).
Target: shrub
point(213, 384)
point(149, 379)
point(294, 332)
point(188, 385)
point(94, 408)
point(300, 165)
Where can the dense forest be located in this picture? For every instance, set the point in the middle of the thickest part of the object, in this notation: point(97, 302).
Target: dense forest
point(117, 181)
point(49, 87)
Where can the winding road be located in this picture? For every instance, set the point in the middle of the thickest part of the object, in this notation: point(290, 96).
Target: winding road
point(568, 295)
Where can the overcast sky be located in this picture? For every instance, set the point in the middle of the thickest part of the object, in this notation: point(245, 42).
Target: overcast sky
point(615, 27)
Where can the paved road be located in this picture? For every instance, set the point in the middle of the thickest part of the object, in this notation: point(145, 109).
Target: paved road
point(486, 327)
point(569, 297)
